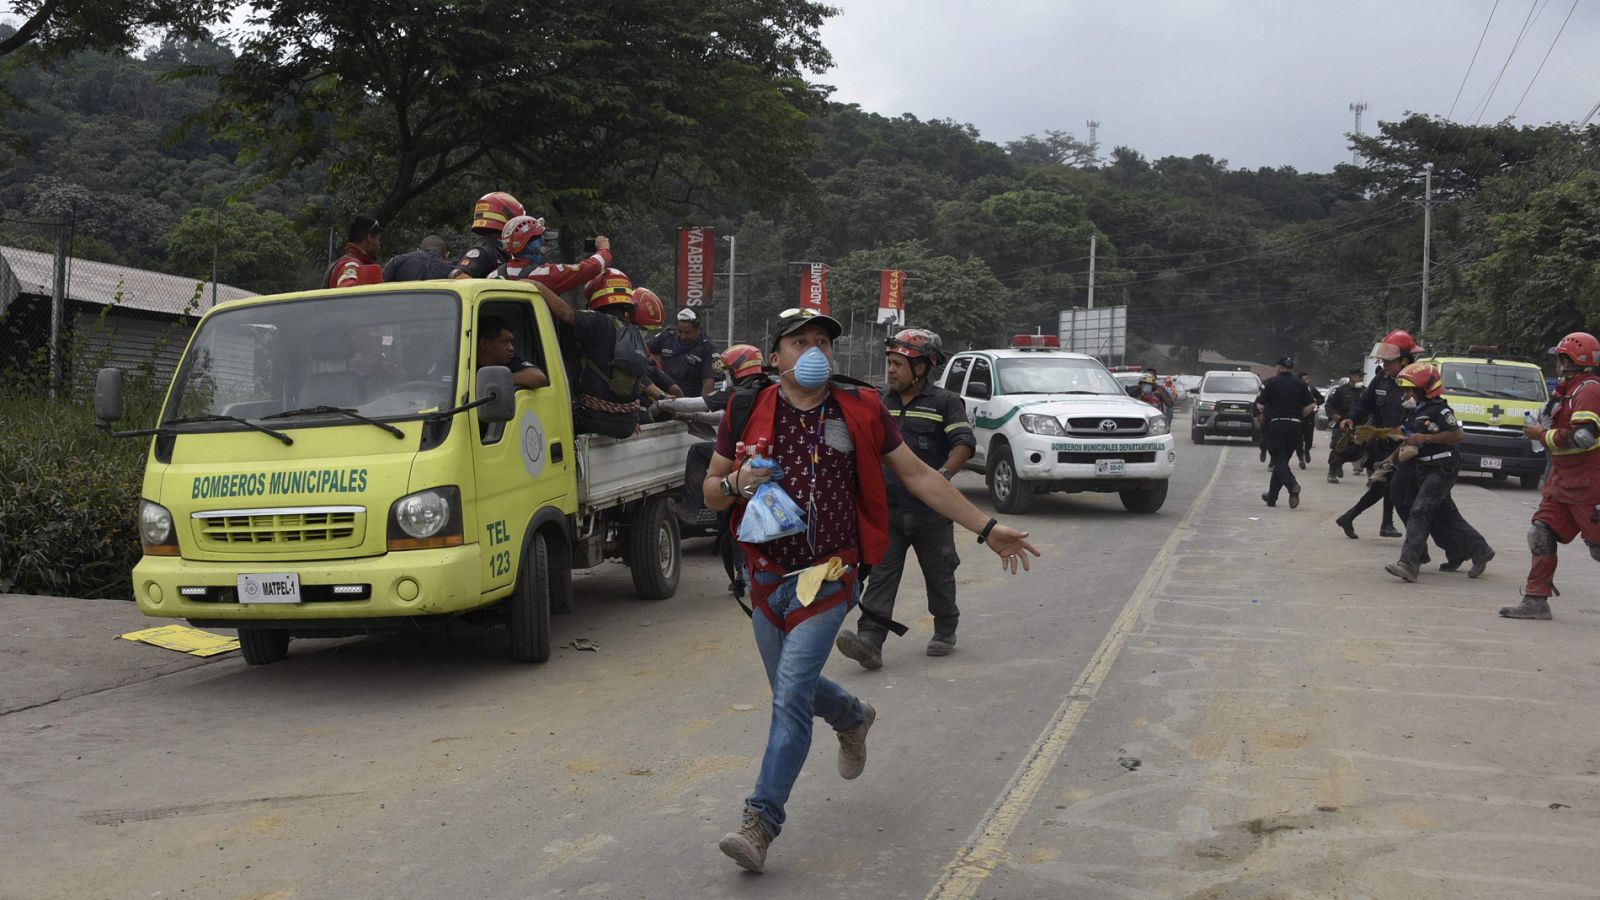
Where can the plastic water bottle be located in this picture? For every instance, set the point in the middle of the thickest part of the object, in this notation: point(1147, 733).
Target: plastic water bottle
point(1528, 418)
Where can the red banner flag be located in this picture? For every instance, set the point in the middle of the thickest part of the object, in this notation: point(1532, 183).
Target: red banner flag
point(697, 262)
point(892, 297)
point(814, 287)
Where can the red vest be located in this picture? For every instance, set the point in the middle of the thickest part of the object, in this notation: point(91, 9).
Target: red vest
point(863, 417)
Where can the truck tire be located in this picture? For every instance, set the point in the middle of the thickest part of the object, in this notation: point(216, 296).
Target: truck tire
point(1529, 481)
point(528, 611)
point(655, 553)
point(1007, 491)
point(263, 645)
point(1145, 501)
point(1196, 435)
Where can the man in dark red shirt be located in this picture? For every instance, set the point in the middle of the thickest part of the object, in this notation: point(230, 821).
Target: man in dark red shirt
point(360, 249)
point(831, 443)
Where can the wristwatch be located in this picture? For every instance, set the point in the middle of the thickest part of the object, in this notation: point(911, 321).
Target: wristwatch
point(726, 487)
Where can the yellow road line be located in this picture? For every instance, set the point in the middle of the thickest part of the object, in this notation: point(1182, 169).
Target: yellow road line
point(987, 847)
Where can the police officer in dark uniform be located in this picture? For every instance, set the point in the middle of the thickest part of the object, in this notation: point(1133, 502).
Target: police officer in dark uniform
point(1282, 405)
point(1380, 405)
point(490, 215)
point(1340, 400)
point(1308, 425)
point(1430, 450)
point(934, 423)
point(686, 355)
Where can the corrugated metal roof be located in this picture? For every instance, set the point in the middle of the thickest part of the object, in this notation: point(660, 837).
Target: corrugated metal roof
point(33, 272)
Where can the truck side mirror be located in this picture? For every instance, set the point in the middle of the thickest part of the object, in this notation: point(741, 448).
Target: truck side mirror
point(495, 381)
point(978, 390)
point(108, 395)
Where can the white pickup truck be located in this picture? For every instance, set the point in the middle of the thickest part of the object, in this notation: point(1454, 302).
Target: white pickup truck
point(1047, 420)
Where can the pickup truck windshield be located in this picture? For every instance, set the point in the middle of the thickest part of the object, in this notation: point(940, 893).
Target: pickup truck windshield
point(381, 355)
point(1055, 375)
point(1231, 384)
point(1490, 380)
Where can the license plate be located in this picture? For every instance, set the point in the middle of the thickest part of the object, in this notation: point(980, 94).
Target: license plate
point(281, 588)
point(1490, 462)
point(1110, 467)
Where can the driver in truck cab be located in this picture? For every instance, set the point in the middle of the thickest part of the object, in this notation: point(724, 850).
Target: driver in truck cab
point(497, 346)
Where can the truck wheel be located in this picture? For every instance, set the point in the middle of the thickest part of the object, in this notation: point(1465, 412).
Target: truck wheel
point(1007, 491)
point(655, 554)
point(1528, 481)
point(1196, 435)
point(1498, 476)
point(528, 615)
point(1145, 501)
point(263, 645)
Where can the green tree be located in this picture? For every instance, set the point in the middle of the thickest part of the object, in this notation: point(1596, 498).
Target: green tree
point(58, 27)
point(255, 249)
point(959, 298)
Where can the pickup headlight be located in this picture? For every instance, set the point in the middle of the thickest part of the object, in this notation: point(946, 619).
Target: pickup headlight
point(1208, 405)
point(1158, 425)
point(1046, 425)
point(430, 518)
point(157, 537)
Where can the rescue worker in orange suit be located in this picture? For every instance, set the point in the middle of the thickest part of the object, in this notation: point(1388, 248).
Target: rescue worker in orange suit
point(523, 241)
point(360, 249)
point(490, 215)
point(933, 422)
point(1567, 507)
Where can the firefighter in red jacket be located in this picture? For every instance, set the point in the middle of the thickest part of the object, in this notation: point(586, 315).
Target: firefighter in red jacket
point(360, 249)
point(1572, 490)
point(523, 241)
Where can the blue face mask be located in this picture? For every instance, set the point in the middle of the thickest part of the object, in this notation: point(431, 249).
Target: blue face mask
point(813, 369)
point(534, 252)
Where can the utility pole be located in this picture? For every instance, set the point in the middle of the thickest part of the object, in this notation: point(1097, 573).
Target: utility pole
point(1358, 107)
point(1427, 233)
point(733, 251)
point(58, 305)
point(1091, 269)
point(216, 231)
point(1094, 142)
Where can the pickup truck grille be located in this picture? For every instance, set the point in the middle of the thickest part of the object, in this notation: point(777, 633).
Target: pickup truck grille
point(321, 527)
point(1091, 426)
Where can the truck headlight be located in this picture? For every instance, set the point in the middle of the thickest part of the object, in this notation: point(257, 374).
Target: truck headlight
point(430, 518)
point(1207, 405)
point(1046, 425)
point(157, 537)
point(1158, 425)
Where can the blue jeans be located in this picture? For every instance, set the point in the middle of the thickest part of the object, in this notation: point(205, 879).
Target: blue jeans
point(794, 669)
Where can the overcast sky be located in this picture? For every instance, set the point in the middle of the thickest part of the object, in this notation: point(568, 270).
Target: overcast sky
point(1264, 83)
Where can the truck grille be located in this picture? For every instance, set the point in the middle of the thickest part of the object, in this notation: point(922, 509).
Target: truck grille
point(1090, 426)
point(320, 527)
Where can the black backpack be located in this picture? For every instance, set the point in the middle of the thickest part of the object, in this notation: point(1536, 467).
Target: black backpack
point(629, 364)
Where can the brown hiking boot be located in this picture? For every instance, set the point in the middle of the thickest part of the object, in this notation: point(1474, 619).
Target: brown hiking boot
point(1530, 608)
point(862, 650)
point(853, 744)
point(747, 846)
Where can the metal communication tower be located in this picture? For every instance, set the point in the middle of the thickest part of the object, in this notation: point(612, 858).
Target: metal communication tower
point(1358, 107)
point(1094, 142)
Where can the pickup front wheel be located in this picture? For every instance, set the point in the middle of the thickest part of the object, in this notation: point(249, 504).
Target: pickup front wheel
point(528, 615)
point(1145, 501)
point(1007, 491)
point(654, 551)
point(263, 645)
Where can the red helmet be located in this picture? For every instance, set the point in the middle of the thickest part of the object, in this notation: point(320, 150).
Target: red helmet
point(916, 343)
point(494, 211)
point(1425, 377)
point(519, 233)
point(743, 360)
point(1394, 345)
point(647, 309)
point(1581, 348)
point(610, 288)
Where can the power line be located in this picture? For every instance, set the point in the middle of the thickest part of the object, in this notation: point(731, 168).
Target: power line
point(1473, 61)
point(1527, 24)
point(1545, 60)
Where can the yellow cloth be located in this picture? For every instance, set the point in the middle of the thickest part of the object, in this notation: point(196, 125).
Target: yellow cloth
point(811, 579)
point(184, 639)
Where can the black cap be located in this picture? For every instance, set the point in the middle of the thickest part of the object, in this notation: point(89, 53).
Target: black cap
point(1355, 370)
point(1286, 361)
point(792, 320)
point(362, 227)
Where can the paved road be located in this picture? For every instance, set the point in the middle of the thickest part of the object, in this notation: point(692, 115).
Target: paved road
point(1305, 726)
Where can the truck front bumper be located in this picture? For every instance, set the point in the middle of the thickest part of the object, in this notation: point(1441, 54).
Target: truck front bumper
point(1493, 454)
point(397, 585)
point(1064, 464)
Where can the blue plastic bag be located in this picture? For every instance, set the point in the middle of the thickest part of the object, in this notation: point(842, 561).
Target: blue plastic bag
point(771, 512)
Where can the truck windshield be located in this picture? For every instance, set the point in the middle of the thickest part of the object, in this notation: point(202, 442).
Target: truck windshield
point(1055, 375)
point(1491, 380)
point(1231, 384)
point(381, 355)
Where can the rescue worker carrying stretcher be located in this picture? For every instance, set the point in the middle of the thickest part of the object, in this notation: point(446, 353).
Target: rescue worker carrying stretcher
point(1379, 405)
point(1431, 460)
point(1571, 492)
